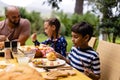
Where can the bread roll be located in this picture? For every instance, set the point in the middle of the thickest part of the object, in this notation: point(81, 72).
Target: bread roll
point(21, 73)
point(51, 56)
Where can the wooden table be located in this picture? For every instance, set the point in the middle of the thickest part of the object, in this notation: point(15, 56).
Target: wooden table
point(78, 76)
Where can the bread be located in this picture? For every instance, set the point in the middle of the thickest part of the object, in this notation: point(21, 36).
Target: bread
point(51, 56)
point(47, 77)
point(2, 66)
point(21, 73)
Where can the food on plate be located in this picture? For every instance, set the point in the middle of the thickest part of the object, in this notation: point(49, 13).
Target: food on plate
point(54, 74)
point(2, 66)
point(45, 49)
point(38, 52)
point(51, 56)
point(47, 63)
point(21, 73)
point(28, 48)
point(46, 77)
point(37, 62)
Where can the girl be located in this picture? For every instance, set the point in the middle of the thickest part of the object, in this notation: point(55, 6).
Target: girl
point(55, 40)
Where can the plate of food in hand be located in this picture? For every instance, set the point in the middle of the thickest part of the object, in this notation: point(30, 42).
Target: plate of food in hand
point(51, 61)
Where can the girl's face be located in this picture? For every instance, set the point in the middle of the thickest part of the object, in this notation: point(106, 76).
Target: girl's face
point(78, 40)
point(48, 29)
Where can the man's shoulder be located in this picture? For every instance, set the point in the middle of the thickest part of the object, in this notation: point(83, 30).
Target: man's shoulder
point(24, 20)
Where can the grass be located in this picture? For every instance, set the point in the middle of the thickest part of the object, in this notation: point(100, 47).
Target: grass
point(42, 37)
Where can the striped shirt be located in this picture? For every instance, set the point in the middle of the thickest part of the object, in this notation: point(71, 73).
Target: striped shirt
point(81, 58)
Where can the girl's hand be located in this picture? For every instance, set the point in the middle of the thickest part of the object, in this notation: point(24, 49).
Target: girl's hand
point(34, 36)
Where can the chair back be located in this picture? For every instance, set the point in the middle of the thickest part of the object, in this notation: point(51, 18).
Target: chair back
point(110, 60)
point(92, 42)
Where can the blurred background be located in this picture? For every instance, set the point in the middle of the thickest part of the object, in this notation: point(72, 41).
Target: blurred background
point(104, 15)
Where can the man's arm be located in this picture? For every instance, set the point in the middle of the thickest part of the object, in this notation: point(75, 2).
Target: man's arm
point(2, 37)
point(25, 32)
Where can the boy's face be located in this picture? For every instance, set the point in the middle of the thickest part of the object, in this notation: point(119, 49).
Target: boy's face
point(78, 40)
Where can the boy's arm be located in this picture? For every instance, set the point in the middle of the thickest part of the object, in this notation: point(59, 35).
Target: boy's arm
point(62, 57)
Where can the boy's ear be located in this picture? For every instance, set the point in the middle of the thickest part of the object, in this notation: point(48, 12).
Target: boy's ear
point(86, 37)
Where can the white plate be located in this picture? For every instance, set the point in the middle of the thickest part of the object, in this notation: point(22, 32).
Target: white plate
point(5, 66)
point(50, 64)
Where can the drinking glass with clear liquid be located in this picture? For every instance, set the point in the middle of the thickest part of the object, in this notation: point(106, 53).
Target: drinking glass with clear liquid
point(30, 54)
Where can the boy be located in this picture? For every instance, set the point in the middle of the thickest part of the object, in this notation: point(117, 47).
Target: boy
point(82, 56)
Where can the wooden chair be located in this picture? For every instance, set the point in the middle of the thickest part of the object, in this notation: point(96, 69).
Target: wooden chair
point(110, 60)
point(92, 42)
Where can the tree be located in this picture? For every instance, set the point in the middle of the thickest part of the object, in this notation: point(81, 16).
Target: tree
point(78, 5)
point(110, 21)
point(34, 18)
point(68, 21)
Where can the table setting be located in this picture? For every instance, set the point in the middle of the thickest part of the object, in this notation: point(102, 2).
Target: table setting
point(47, 64)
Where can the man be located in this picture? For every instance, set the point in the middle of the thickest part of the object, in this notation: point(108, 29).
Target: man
point(14, 27)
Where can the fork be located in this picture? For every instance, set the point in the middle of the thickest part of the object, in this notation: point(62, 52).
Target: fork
point(46, 69)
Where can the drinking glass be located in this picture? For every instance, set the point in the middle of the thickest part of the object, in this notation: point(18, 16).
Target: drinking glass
point(22, 60)
point(30, 54)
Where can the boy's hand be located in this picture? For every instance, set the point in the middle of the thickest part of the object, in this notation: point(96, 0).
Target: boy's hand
point(87, 71)
point(90, 74)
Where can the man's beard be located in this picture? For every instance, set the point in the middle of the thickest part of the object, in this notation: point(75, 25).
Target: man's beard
point(16, 24)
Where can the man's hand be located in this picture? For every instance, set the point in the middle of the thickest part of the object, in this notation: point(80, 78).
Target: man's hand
point(1, 45)
point(2, 38)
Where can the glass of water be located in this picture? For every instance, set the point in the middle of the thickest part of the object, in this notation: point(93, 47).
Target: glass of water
point(30, 54)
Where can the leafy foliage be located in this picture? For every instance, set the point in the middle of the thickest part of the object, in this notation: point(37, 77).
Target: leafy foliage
point(68, 21)
point(35, 19)
point(110, 21)
point(53, 3)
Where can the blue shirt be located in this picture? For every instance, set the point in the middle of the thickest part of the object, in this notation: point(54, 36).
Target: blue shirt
point(81, 58)
point(59, 45)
